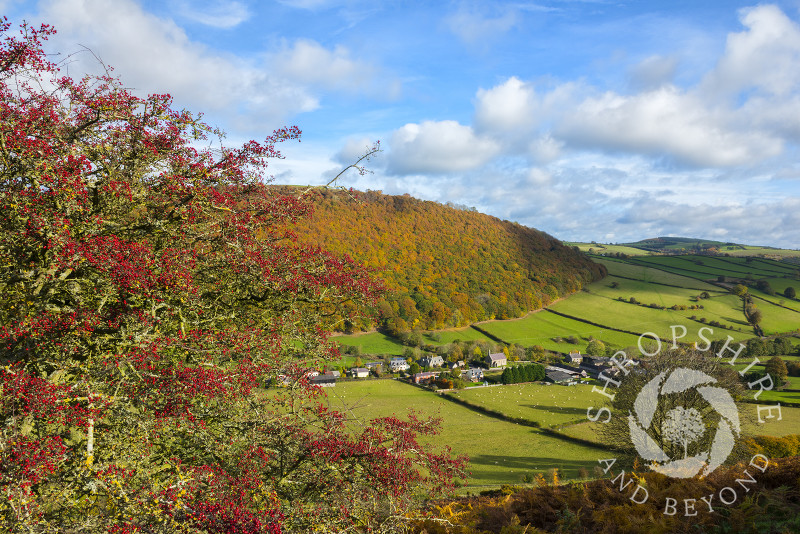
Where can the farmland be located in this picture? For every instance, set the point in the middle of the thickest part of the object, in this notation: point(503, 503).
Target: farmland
point(507, 431)
point(500, 452)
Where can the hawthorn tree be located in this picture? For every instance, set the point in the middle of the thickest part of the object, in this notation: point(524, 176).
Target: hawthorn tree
point(152, 299)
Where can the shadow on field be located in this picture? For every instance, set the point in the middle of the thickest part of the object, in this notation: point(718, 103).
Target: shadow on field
point(526, 464)
point(555, 409)
point(737, 321)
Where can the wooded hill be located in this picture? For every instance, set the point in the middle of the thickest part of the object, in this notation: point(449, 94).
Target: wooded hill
point(445, 266)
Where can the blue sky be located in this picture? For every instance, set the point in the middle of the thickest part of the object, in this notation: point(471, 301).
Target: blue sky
point(591, 120)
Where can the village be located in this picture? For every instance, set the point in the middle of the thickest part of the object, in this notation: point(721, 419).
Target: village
point(433, 371)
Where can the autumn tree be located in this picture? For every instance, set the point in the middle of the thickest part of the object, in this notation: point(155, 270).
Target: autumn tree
point(776, 368)
point(151, 290)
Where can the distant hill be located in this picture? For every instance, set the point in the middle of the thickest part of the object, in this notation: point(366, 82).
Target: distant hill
point(445, 266)
point(684, 244)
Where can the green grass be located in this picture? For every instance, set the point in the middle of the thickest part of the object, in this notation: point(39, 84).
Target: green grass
point(448, 336)
point(640, 319)
point(372, 343)
point(648, 274)
point(548, 406)
point(608, 249)
point(540, 328)
point(764, 251)
point(500, 452)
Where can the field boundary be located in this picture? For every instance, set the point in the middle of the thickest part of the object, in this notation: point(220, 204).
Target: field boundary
point(602, 325)
point(665, 284)
point(519, 421)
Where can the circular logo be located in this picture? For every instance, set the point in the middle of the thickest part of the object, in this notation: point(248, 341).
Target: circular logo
point(681, 425)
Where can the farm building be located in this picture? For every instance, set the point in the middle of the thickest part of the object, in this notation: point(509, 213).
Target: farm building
point(496, 359)
point(572, 371)
point(359, 372)
point(325, 380)
point(594, 365)
point(557, 377)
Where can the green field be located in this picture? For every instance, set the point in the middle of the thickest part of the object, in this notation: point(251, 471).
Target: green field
point(500, 452)
point(540, 329)
point(548, 406)
point(372, 343)
point(661, 280)
point(598, 248)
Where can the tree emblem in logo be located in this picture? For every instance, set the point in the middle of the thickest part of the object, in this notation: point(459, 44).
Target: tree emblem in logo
point(682, 426)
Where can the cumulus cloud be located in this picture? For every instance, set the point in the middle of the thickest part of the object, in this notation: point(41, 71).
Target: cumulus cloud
point(665, 121)
point(438, 147)
point(510, 106)
point(765, 56)
point(154, 54)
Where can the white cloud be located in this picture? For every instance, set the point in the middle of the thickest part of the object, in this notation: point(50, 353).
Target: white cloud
point(766, 56)
point(665, 121)
point(653, 72)
point(216, 13)
point(510, 106)
point(155, 55)
point(473, 28)
point(438, 147)
point(308, 62)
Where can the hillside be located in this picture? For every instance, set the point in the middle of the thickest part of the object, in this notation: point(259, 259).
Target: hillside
point(443, 266)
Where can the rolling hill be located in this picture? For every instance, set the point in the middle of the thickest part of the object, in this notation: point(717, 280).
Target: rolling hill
point(444, 266)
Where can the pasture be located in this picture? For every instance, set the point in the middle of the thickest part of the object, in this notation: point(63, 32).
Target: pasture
point(500, 452)
point(548, 406)
point(542, 327)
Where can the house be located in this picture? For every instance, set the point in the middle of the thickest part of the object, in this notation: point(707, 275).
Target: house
point(573, 357)
point(334, 374)
point(557, 377)
point(595, 365)
point(473, 374)
point(325, 380)
point(456, 365)
point(398, 364)
point(374, 366)
point(431, 361)
point(496, 359)
point(359, 372)
point(426, 376)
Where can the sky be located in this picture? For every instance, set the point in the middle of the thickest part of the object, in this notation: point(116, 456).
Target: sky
point(610, 121)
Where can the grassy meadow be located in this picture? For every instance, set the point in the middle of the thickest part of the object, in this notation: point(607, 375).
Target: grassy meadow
point(500, 452)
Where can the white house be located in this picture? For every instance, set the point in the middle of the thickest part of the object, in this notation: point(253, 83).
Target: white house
point(359, 372)
point(398, 364)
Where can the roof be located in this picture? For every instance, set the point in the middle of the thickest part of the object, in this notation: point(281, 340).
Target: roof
point(359, 370)
point(558, 376)
point(497, 356)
